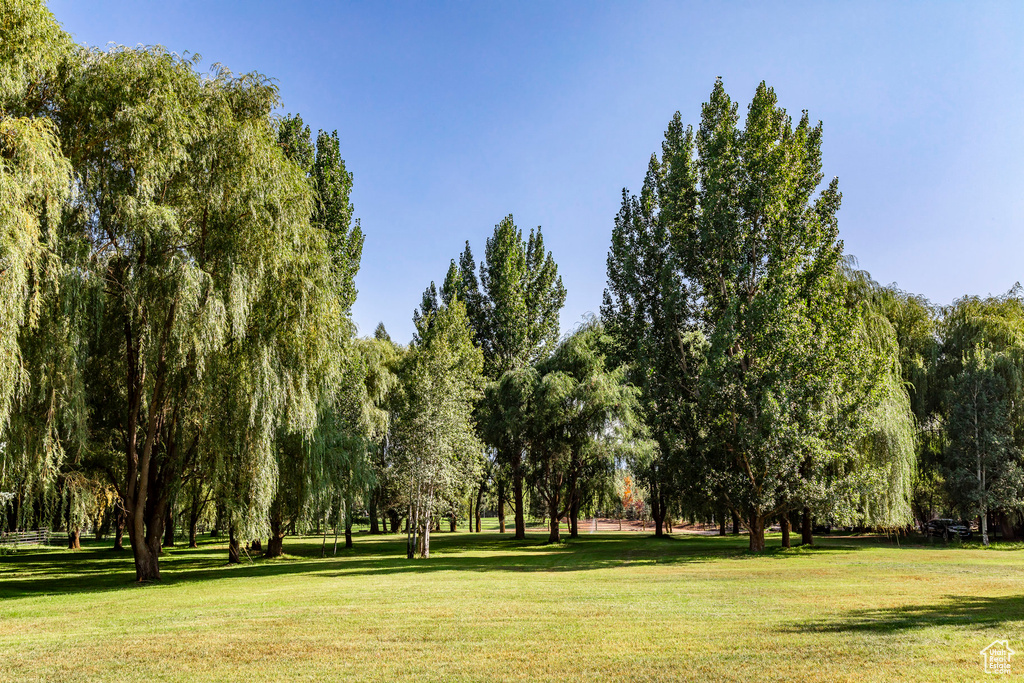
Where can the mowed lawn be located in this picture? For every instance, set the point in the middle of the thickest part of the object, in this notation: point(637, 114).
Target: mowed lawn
point(614, 606)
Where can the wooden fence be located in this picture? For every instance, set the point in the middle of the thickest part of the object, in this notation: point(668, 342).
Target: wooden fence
point(36, 537)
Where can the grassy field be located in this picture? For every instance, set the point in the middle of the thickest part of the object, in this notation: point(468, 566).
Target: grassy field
point(615, 606)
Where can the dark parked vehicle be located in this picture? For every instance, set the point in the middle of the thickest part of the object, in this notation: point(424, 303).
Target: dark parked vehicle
point(947, 529)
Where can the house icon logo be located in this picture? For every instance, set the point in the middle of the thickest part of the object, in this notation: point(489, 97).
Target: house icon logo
point(997, 657)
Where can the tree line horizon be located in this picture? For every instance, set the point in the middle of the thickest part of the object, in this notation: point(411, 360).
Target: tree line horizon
point(177, 268)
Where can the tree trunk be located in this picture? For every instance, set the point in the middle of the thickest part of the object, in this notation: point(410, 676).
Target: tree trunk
point(479, 504)
point(275, 545)
point(348, 521)
point(735, 524)
point(409, 542)
point(169, 529)
point(657, 511)
point(501, 505)
point(426, 536)
point(234, 549)
point(756, 532)
point(721, 523)
point(983, 523)
point(337, 514)
point(395, 520)
point(195, 509)
point(553, 536)
point(75, 538)
point(517, 493)
point(785, 530)
point(574, 520)
point(806, 530)
point(372, 510)
point(119, 526)
point(453, 521)
point(147, 562)
point(275, 542)
point(145, 536)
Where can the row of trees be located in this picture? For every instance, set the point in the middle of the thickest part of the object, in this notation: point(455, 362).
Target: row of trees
point(778, 379)
point(177, 267)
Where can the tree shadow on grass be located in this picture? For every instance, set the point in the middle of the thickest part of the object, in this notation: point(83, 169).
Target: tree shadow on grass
point(955, 610)
point(96, 568)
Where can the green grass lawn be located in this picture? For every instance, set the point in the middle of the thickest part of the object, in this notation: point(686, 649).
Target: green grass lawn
point(616, 606)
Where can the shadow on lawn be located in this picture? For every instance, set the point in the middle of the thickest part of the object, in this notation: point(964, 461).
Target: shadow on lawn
point(955, 610)
point(98, 568)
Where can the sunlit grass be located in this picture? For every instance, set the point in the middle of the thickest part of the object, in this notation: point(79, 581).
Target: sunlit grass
point(615, 606)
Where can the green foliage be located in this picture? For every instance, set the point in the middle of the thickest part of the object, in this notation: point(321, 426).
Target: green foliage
point(34, 181)
point(647, 311)
point(435, 434)
point(874, 484)
point(758, 243)
point(31, 52)
point(521, 295)
point(192, 282)
point(333, 214)
point(580, 412)
point(981, 368)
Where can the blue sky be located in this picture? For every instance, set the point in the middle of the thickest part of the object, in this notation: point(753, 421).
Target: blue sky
point(453, 115)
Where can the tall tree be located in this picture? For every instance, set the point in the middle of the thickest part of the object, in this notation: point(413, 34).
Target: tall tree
point(761, 250)
point(303, 478)
point(435, 434)
point(34, 181)
point(646, 310)
point(871, 483)
point(198, 228)
point(981, 366)
point(983, 463)
point(516, 312)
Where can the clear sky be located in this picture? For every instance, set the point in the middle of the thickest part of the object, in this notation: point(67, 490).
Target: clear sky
point(453, 115)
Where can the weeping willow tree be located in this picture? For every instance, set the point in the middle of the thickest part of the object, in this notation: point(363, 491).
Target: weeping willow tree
point(879, 473)
point(34, 185)
point(314, 466)
point(215, 313)
point(981, 375)
point(580, 411)
point(355, 422)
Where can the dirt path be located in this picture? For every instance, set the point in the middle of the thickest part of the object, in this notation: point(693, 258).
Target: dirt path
point(605, 524)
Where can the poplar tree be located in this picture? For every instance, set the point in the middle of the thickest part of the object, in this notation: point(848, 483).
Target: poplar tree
point(516, 314)
point(647, 311)
point(513, 312)
point(758, 241)
point(304, 478)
